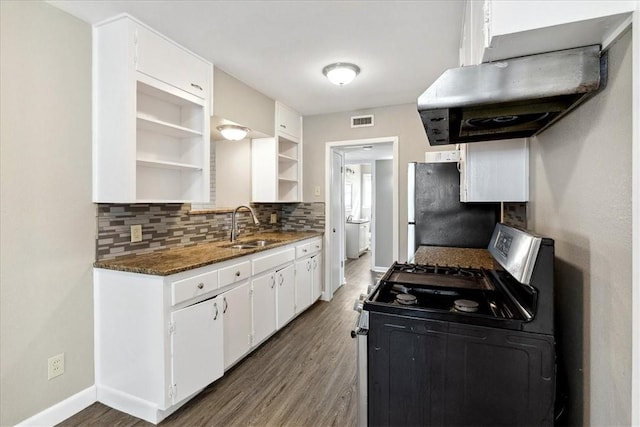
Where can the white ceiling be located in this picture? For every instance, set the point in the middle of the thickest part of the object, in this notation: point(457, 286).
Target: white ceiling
point(357, 154)
point(280, 47)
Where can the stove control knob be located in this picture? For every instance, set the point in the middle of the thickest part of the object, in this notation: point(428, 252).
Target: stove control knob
point(358, 306)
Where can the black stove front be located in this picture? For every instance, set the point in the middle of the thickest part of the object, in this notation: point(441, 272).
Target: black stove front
point(456, 346)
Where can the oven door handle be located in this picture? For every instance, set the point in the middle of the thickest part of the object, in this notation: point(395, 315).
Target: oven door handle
point(361, 326)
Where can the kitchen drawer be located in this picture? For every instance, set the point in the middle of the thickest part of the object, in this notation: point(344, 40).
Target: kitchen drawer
point(271, 261)
point(234, 273)
point(303, 250)
point(183, 290)
point(168, 62)
point(315, 246)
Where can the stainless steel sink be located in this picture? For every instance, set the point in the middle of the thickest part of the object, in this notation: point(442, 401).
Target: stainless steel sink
point(251, 244)
point(240, 246)
point(261, 242)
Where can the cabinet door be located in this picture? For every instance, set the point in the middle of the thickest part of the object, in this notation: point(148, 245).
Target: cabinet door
point(236, 309)
point(316, 277)
point(495, 171)
point(303, 284)
point(363, 237)
point(166, 61)
point(285, 280)
point(196, 347)
point(288, 122)
point(264, 307)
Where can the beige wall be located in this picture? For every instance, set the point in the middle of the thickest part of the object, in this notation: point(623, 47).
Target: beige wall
point(581, 196)
point(47, 219)
point(402, 121)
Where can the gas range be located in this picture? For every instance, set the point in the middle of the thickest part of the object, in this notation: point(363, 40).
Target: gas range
point(461, 346)
point(508, 297)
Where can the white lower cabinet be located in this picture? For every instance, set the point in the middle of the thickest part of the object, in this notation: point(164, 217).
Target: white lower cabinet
point(196, 348)
point(285, 281)
point(159, 340)
point(236, 309)
point(264, 307)
point(303, 284)
point(316, 277)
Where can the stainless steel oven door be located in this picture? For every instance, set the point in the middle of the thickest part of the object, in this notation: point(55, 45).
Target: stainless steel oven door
point(360, 334)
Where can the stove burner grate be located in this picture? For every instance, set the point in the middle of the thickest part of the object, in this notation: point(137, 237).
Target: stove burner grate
point(465, 306)
point(406, 299)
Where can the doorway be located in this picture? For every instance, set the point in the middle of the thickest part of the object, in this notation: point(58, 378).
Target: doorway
point(381, 152)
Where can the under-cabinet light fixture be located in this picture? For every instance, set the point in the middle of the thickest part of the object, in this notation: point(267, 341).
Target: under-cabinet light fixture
point(233, 132)
point(341, 73)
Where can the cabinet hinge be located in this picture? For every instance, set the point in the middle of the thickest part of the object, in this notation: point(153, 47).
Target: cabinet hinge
point(172, 328)
point(173, 391)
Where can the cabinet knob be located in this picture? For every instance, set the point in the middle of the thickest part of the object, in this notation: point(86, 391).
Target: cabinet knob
point(200, 285)
point(238, 273)
point(304, 250)
point(196, 86)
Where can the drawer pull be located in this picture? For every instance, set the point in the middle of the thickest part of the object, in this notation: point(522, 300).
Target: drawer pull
point(304, 250)
point(215, 316)
point(200, 285)
point(225, 306)
point(283, 126)
point(196, 86)
point(238, 273)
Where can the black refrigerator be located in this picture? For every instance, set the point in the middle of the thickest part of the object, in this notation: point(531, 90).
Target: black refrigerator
point(436, 215)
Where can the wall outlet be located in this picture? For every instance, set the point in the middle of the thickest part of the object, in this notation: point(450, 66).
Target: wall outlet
point(274, 218)
point(55, 366)
point(136, 233)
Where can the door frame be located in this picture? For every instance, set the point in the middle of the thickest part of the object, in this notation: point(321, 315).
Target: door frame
point(329, 243)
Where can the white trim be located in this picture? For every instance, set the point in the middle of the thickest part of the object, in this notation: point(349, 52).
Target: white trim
point(62, 410)
point(635, 218)
point(327, 178)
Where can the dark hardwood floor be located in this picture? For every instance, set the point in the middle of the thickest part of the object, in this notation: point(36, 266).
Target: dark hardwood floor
point(303, 376)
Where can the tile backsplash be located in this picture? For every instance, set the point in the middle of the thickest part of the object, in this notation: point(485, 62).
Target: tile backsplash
point(515, 213)
point(174, 225)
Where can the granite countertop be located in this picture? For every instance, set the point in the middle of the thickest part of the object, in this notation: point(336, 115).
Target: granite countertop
point(454, 257)
point(175, 260)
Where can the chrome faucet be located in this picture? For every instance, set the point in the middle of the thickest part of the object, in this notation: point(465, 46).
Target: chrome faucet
point(234, 225)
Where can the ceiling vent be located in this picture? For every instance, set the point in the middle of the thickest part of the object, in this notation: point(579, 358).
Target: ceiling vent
point(362, 121)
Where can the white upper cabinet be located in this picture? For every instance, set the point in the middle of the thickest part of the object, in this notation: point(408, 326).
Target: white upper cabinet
point(276, 163)
point(494, 171)
point(495, 30)
point(151, 117)
point(288, 123)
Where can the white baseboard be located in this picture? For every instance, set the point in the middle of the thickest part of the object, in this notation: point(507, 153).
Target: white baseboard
point(62, 410)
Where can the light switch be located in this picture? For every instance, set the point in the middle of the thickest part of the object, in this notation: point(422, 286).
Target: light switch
point(317, 190)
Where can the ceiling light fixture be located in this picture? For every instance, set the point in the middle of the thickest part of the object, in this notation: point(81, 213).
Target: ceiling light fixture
point(233, 132)
point(341, 73)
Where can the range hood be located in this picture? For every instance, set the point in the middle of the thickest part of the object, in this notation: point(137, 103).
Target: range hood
point(514, 98)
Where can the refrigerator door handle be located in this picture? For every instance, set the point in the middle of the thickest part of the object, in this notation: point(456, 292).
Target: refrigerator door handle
point(411, 241)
